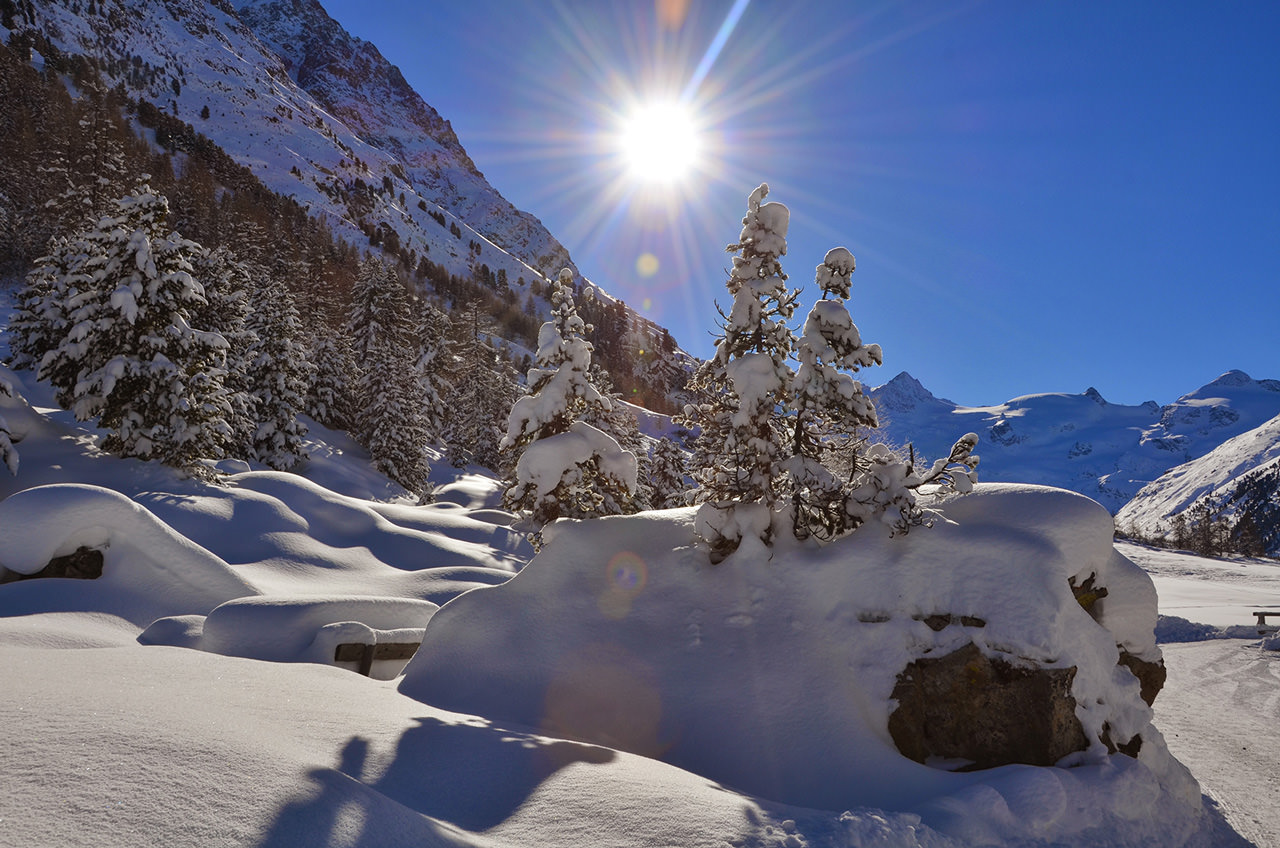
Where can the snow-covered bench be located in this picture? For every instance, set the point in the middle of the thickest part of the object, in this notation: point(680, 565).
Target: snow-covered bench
point(1263, 627)
point(365, 653)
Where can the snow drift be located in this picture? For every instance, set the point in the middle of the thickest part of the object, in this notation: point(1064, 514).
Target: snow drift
point(148, 570)
point(774, 676)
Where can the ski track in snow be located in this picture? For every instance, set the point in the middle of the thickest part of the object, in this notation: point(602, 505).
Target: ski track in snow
point(1218, 713)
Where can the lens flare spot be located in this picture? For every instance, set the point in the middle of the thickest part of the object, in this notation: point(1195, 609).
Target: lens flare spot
point(628, 572)
point(646, 304)
point(647, 265)
point(625, 578)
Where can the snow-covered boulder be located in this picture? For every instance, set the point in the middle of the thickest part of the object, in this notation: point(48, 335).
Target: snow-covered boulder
point(148, 570)
point(776, 675)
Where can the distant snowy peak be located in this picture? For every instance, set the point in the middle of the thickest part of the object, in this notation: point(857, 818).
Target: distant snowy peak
point(905, 393)
point(1235, 466)
point(1081, 442)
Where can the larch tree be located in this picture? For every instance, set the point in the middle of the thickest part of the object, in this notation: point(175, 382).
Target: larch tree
point(567, 467)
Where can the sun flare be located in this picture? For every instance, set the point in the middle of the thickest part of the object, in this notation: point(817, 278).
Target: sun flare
point(660, 142)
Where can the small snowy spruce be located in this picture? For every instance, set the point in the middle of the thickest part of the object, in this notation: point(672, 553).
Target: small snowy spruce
point(831, 408)
point(278, 372)
point(668, 475)
point(227, 284)
point(567, 467)
point(130, 358)
point(8, 453)
point(745, 388)
point(431, 329)
point(329, 394)
point(479, 388)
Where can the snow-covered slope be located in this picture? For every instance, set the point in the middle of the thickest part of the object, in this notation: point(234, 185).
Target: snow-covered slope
point(315, 113)
point(1248, 457)
point(1080, 441)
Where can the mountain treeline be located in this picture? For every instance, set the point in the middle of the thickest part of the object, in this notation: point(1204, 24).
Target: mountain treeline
point(276, 284)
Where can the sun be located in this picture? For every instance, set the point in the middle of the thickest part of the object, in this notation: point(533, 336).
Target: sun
point(660, 142)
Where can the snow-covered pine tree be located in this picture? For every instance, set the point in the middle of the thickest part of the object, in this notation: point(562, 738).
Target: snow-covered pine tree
point(431, 330)
point(480, 388)
point(41, 320)
point(567, 468)
point(379, 309)
point(744, 389)
point(393, 426)
point(830, 405)
point(8, 453)
point(393, 418)
point(227, 284)
point(667, 476)
point(329, 395)
point(131, 358)
point(620, 422)
point(278, 373)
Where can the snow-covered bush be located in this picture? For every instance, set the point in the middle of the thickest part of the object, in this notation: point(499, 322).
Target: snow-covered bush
point(567, 467)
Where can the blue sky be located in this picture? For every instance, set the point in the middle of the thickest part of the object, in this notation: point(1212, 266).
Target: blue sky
point(1042, 196)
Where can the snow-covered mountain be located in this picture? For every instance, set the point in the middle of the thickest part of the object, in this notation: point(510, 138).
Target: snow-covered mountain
point(1241, 474)
point(1080, 441)
point(315, 113)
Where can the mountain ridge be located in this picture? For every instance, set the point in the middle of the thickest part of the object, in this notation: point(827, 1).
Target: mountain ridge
point(1081, 442)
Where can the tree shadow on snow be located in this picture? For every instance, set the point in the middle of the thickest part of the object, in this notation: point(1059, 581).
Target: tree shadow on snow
point(471, 776)
point(475, 776)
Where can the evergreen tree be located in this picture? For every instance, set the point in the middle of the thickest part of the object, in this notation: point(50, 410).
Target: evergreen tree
point(329, 396)
point(279, 372)
point(743, 389)
point(620, 422)
point(131, 358)
point(393, 426)
point(42, 320)
point(566, 468)
point(8, 453)
point(431, 331)
point(831, 407)
point(479, 390)
point(393, 421)
point(667, 478)
point(227, 284)
point(379, 310)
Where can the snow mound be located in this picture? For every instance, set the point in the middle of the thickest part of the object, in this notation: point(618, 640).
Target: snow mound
point(774, 676)
point(298, 629)
point(149, 570)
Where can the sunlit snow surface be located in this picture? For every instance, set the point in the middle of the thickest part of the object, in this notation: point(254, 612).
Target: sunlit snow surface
point(112, 742)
